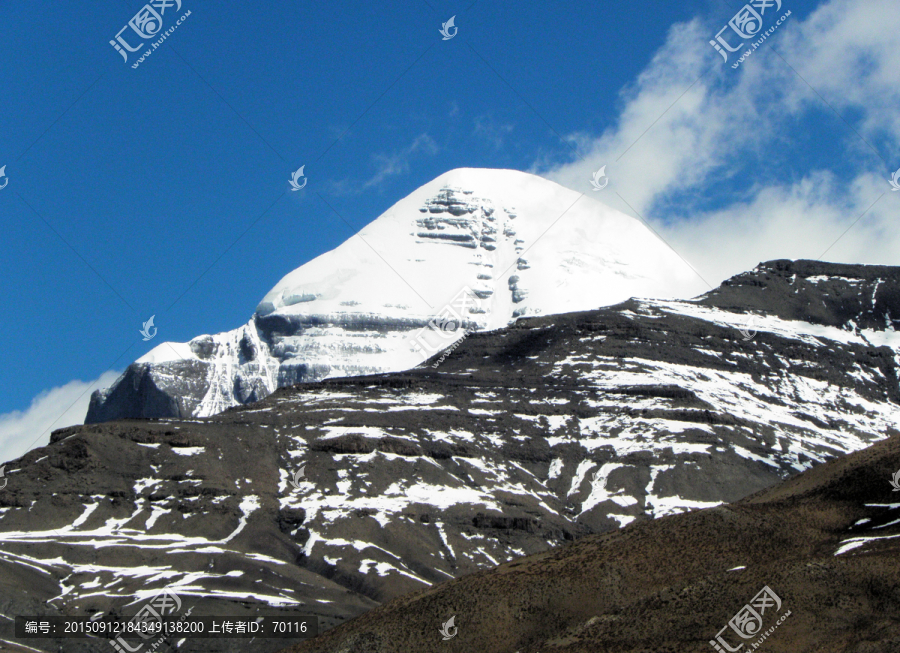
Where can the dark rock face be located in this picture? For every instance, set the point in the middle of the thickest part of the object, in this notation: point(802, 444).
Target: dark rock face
point(521, 440)
point(136, 394)
point(831, 294)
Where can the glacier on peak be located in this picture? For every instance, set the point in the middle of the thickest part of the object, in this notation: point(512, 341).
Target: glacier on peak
point(521, 244)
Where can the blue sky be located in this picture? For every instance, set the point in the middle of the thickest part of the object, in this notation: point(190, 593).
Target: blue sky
point(164, 189)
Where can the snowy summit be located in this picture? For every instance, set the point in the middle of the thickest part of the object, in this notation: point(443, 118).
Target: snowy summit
point(520, 244)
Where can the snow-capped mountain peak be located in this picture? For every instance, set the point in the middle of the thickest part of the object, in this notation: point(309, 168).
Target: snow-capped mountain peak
point(526, 244)
point(516, 244)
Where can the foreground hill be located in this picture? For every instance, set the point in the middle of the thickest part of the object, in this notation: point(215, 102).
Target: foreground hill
point(826, 543)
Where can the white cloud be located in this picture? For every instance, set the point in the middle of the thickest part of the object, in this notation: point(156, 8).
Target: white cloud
point(22, 430)
point(398, 162)
point(849, 51)
point(490, 131)
point(687, 124)
point(387, 165)
point(802, 220)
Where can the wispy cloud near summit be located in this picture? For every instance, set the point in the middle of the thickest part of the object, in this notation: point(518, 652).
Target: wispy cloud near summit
point(22, 430)
point(775, 160)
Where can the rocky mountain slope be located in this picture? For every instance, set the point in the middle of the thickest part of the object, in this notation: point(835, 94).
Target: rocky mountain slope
point(332, 497)
point(514, 243)
point(811, 565)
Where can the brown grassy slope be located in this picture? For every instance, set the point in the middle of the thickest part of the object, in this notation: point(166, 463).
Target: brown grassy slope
point(664, 586)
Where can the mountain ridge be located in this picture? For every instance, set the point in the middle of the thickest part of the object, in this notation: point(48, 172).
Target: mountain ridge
point(523, 439)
